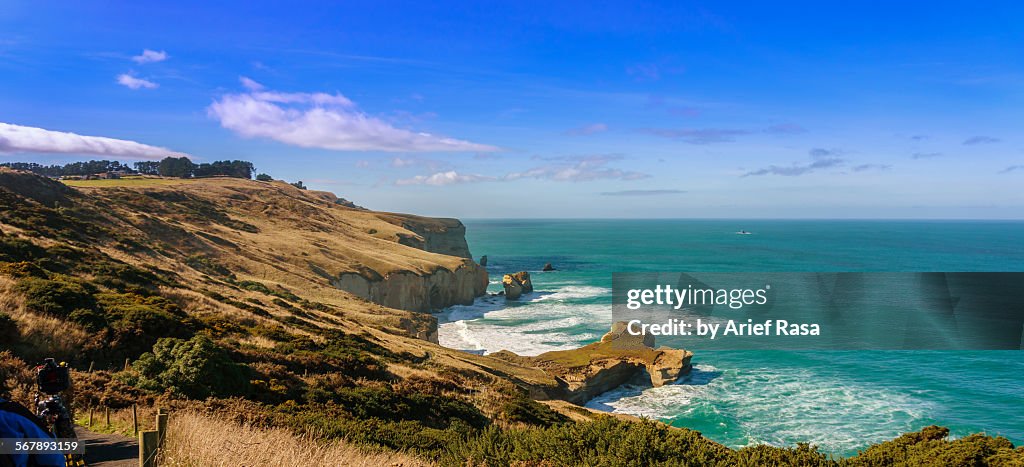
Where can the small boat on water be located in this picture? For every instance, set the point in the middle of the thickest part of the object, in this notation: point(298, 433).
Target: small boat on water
point(742, 232)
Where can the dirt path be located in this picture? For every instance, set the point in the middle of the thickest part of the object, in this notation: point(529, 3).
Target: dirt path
point(104, 450)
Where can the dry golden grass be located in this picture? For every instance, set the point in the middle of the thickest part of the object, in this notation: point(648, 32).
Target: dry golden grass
point(61, 340)
point(120, 420)
point(127, 181)
point(258, 341)
point(196, 440)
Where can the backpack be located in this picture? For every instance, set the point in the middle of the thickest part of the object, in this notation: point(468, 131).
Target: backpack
point(53, 378)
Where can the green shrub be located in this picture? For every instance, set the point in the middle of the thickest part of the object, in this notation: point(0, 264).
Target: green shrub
point(606, 441)
point(90, 319)
point(22, 269)
point(254, 286)
point(121, 276)
point(138, 321)
point(208, 266)
point(16, 249)
point(385, 404)
point(336, 356)
point(803, 455)
point(332, 422)
point(522, 409)
point(930, 446)
point(58, 296)
point(196, 368)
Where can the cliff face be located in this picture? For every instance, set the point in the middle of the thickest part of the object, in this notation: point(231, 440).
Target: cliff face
point(225, 231)
point(443, 236)
point(412, 291)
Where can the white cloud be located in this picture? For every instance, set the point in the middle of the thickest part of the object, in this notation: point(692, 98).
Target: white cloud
point(561, 169)
point(132, 82)
point(250, 84)
point(17, 139)
point(321, 120)
point(399, 163)
point(579, 169)
point(450, 177)
point(150, 56)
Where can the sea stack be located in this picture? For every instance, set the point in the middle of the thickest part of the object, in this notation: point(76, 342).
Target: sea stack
point(483, 260)
point(516, 285)
point(548, 267)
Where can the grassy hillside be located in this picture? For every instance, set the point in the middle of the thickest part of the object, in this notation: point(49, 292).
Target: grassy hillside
point(219, 296)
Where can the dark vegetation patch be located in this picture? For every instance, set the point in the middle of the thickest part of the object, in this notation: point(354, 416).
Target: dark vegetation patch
point(196, 368)
point(209, 266)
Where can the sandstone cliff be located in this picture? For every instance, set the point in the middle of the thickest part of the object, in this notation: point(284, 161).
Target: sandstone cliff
point(436, 235)
point(281, 236)
point(619, 358)
point(417, 291)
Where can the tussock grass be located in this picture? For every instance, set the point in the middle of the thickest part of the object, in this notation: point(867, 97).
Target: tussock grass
point(125, 181)
point(41, 335)
point(197, 440)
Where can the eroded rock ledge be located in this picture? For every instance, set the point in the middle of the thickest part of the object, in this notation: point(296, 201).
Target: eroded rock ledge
point(619, 358)
point(412, 291)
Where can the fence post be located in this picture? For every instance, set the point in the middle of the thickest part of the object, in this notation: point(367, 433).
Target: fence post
point(90, 415)
point(135, 419)
point(148, 441)
point(161, 426)
point(106, 413)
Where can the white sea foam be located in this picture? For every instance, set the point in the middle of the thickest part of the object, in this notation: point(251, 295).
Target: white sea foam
point(539, 322)
point(576, 292)
point(777, 406)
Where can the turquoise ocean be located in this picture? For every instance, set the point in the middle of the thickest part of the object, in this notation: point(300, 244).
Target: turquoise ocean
point(839, 400)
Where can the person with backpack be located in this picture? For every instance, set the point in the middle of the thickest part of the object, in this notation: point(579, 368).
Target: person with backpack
point(17, 423)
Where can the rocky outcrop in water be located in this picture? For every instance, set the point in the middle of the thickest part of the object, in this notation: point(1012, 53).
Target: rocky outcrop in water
point(516, 285)
point(483, 260)
point(547, 267)
point(619, 358)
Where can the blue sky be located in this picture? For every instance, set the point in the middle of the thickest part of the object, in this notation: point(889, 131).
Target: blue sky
point(527, 109)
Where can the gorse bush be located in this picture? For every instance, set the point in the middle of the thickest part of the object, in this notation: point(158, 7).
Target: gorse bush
point(196, 368)
point(137, 321)
point(384, 403)
point(332, 421)
point(58, 296)
point(607, 441)
point(931, 446)
point(522, 409)
point(611, 441)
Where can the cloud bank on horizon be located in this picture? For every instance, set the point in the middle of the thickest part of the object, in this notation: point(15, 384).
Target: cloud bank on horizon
point(26, 139)
point(558, 169)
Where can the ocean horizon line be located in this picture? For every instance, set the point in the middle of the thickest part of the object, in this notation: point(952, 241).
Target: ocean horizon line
point(741, 219)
